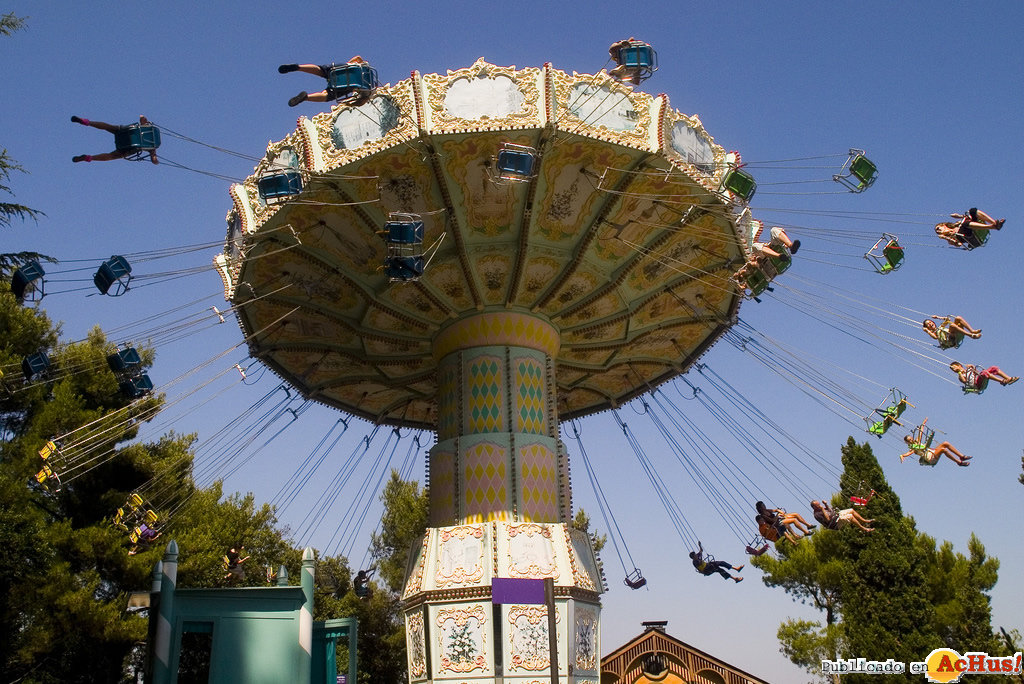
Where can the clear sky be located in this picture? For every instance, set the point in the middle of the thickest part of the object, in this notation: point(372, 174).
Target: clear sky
point(931, 91)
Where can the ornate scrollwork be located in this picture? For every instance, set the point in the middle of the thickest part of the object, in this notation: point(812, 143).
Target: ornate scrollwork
point(525, 80)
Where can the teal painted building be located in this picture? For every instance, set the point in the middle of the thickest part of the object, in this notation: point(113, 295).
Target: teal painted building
point(256, 635)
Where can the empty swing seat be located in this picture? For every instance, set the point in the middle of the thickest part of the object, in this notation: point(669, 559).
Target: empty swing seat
point(49, 449)
point(34, 364)
point(279, 187)
point(408, 231)
point(136, 388)
point(886, 256)
point(740, 183)
point(27, 281)
point(860, 174)
point(125, 360)
point(346, 79)
point(635, 579)
point(517, 162)
point(403, 268)
point(114, 271)
point(137, 138)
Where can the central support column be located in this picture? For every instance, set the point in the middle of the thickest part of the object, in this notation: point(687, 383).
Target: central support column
point(498, 455)
point(500, 507)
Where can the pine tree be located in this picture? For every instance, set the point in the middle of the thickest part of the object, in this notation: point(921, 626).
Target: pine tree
point(886, 594)
point(887, 613)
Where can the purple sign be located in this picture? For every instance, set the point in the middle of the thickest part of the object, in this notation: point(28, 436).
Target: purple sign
point(521, 591)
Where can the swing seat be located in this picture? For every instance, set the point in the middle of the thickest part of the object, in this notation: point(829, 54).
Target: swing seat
point(362, 590)
point(516, 162)
point(886, 256)
point(114, 271)
point(980, 386)
point(639, 58)
point(27, 282)
point(880, 428)
point(403, 268)
point(125, 360)
point(758, 283)
point(407, 231)
point(137, 138)
point(275, 188)
point(135, 501)
point(740, 183)
point(635, 579)
point(118, 520)
point(949, 339)
point(345, 79)
point(858, 173)
point(890, 414)
point(49, 449)
point(45, 474)
point(976, 238)
point(150, 518)
point(34, 364)
point(863, 501)
point(756, 550)
point(136, 388)
point(779, 264)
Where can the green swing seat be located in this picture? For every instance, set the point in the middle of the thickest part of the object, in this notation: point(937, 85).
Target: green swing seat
point(740, 183)
point(978, 387)
point(858, 173)
point(886, 255)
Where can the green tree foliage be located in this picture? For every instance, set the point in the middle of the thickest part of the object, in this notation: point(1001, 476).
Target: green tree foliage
point(65, 572)
point(887, 613)
point(406, 510)
point(581, 522)
point(10, 23)
point(892, 593)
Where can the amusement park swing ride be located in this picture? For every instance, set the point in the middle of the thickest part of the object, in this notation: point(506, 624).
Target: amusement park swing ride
point(489, 255)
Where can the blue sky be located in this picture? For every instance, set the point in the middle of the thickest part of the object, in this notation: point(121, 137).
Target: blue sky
point(932, 92)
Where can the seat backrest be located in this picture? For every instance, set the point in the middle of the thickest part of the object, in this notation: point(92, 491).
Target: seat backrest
point(34, 364)
point(24, 277)
point(137, 138)
point(348, 77)
point(404, 268)
point(404, 232)
point(515, 163)
point(279, 186)
point(893, 254)
point(863, 170)
point(740, 183)
point(636, 55)
point(757, 282)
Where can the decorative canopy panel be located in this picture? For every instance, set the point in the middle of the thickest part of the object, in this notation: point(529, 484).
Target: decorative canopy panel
point(600, 241)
